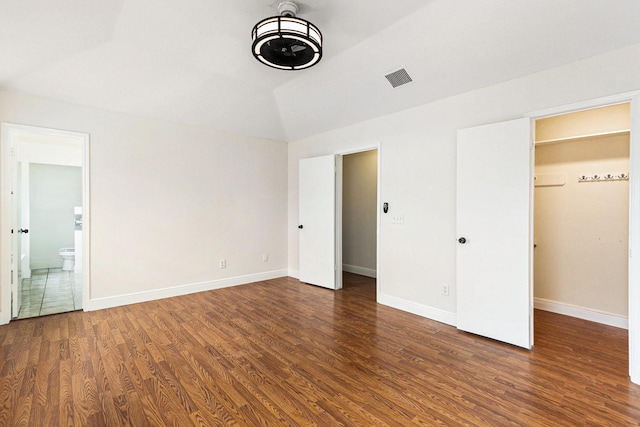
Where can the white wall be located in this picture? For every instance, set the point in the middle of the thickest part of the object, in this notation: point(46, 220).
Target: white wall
point(169, 201)
point(582, 228)
point(359, 212)
point(418, 169)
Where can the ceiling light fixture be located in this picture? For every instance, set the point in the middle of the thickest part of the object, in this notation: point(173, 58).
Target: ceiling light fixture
point(286, 42)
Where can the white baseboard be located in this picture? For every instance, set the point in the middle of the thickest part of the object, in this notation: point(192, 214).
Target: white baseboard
point(419, 309)
point(369, 272)
point(581, 313)
point(46, 263)
point(138, 297)
point(345, 267)
point(5, 317)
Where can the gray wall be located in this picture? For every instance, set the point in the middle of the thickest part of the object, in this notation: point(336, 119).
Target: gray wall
point(359, 209)
point(54, 192)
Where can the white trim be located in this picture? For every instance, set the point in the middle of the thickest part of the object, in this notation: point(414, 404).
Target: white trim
point(86, 223)
point(359, 150)
point(634, 208)
point(338, 221)
point(379, 224)
point(421, 310)
point(5, 224)
point(293, 273)
point(151, 295)
point(532, 184)
point(589, 104)
point(369, 272)
point(582, 313)
point(634, 243)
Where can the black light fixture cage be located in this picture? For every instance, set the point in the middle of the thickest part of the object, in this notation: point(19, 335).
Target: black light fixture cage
point(286, 43)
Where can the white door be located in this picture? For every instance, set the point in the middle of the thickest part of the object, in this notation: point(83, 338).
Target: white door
point(21, 268)
point(16, 238)
point(16, 279)
point(23, 204)
point(494, 199)
point(317, 221)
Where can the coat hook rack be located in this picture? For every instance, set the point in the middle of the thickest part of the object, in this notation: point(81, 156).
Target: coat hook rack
point(598, 177)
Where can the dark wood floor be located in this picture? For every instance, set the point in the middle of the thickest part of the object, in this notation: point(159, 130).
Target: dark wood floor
point(283, 353)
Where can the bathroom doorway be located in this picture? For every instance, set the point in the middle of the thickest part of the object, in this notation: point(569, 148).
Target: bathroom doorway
point(47, 169)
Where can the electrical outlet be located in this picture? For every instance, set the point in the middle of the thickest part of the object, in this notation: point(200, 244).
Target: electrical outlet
point(445, 290)
point(265, 257)
point(397, 218)
point(223, 263)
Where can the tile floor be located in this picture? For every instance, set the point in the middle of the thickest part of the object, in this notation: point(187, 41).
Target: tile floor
point(50, 291)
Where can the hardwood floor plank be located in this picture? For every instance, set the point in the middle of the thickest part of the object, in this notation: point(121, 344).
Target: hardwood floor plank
point(8, 398)
point(284, 353)
point(66, 414)
point(22, 413)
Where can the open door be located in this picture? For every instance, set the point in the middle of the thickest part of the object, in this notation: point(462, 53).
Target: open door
point(318, 222)
point(494, 200)
point(24, 238)
point(16, 236)
point(16, 261)
point(17, 270)
point(20, 238)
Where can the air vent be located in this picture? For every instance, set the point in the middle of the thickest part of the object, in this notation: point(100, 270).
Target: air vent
point(399, 78)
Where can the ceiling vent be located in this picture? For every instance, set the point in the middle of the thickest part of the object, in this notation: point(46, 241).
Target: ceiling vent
point(399, 78)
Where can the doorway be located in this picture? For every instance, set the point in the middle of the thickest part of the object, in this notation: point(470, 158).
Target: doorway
point(581, 214)
point(45, 184)
point(320, 216)
point(360, 219)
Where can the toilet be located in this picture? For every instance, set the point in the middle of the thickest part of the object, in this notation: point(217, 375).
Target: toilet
point(68, 256)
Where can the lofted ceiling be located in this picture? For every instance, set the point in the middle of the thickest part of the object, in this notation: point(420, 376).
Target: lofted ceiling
point(189, 61)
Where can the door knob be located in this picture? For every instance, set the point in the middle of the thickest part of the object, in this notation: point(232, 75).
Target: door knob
point(23, 230)
point(300, 226)
point(462, 240)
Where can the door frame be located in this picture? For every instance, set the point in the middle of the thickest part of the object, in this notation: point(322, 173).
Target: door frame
point(8, 170)
point(339, 201)
point(634, 206)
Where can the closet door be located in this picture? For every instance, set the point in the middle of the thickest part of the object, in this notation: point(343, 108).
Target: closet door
point(494, 200)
